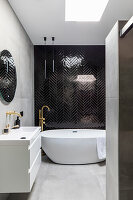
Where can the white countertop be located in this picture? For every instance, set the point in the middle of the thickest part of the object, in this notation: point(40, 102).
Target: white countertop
point(15, 136)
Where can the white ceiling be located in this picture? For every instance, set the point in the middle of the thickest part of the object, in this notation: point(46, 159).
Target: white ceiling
point(47, 18)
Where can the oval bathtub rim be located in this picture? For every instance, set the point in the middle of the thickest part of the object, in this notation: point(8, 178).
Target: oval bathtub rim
point(52, 134)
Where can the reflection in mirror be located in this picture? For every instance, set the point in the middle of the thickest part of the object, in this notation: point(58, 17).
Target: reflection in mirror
point(8, 77)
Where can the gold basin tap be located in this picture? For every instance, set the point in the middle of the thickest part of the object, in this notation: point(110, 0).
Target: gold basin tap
point(13, 113)
point(41, 116)
point(8, 118)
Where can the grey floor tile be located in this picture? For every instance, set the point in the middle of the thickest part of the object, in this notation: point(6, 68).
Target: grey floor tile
point(67, 182)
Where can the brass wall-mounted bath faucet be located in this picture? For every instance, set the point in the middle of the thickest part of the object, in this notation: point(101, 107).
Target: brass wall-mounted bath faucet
point(41, 116)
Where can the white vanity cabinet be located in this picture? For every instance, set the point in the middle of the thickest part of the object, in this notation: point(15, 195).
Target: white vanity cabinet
point(20, 159)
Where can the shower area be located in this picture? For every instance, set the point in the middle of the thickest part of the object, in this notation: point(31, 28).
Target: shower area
point(119, 111)
point(71, 81)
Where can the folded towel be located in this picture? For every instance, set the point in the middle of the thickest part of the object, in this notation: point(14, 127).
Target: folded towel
point(101, 148)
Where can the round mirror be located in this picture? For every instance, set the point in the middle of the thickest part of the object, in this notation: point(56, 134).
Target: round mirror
point(8, 76)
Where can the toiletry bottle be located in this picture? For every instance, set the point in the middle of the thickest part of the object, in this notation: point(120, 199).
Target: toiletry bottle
point(17, 122)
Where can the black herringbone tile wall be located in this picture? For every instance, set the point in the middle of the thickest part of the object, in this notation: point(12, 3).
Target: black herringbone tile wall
point(75, 91)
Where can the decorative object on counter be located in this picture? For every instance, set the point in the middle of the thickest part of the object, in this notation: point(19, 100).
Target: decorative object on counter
point(8, 77)
point(16, 127)
point(41, 117)
point(6, 130)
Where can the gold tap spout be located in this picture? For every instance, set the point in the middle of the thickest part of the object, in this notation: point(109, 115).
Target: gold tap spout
point(13, 113)
point(41, 116)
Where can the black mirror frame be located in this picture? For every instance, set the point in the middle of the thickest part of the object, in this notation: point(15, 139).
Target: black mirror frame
point(8, 77)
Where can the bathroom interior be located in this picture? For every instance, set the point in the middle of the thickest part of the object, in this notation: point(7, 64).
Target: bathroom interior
point(66, 100)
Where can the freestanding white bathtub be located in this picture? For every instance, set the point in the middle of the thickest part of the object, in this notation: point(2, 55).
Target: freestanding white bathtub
point(67, 146)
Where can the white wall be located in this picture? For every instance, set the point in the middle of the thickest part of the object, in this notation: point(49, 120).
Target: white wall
point(14, 38)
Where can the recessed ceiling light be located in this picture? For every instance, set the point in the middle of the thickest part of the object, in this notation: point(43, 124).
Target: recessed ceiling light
point(84, 10)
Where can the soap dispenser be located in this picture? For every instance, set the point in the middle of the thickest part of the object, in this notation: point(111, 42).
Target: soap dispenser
point(17, 123)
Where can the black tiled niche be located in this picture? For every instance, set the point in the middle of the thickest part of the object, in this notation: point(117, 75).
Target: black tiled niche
point(75, 100)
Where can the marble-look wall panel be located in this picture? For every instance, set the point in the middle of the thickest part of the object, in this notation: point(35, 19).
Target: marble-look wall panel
point(126, 117)
point(112, 63)
point(14, 38)
point(112, 109)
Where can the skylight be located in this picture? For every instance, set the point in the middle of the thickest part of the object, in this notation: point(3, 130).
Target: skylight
point(84, 10)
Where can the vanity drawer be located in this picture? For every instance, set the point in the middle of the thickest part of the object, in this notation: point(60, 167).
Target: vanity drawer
point(34, 148)
point(34, 169)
